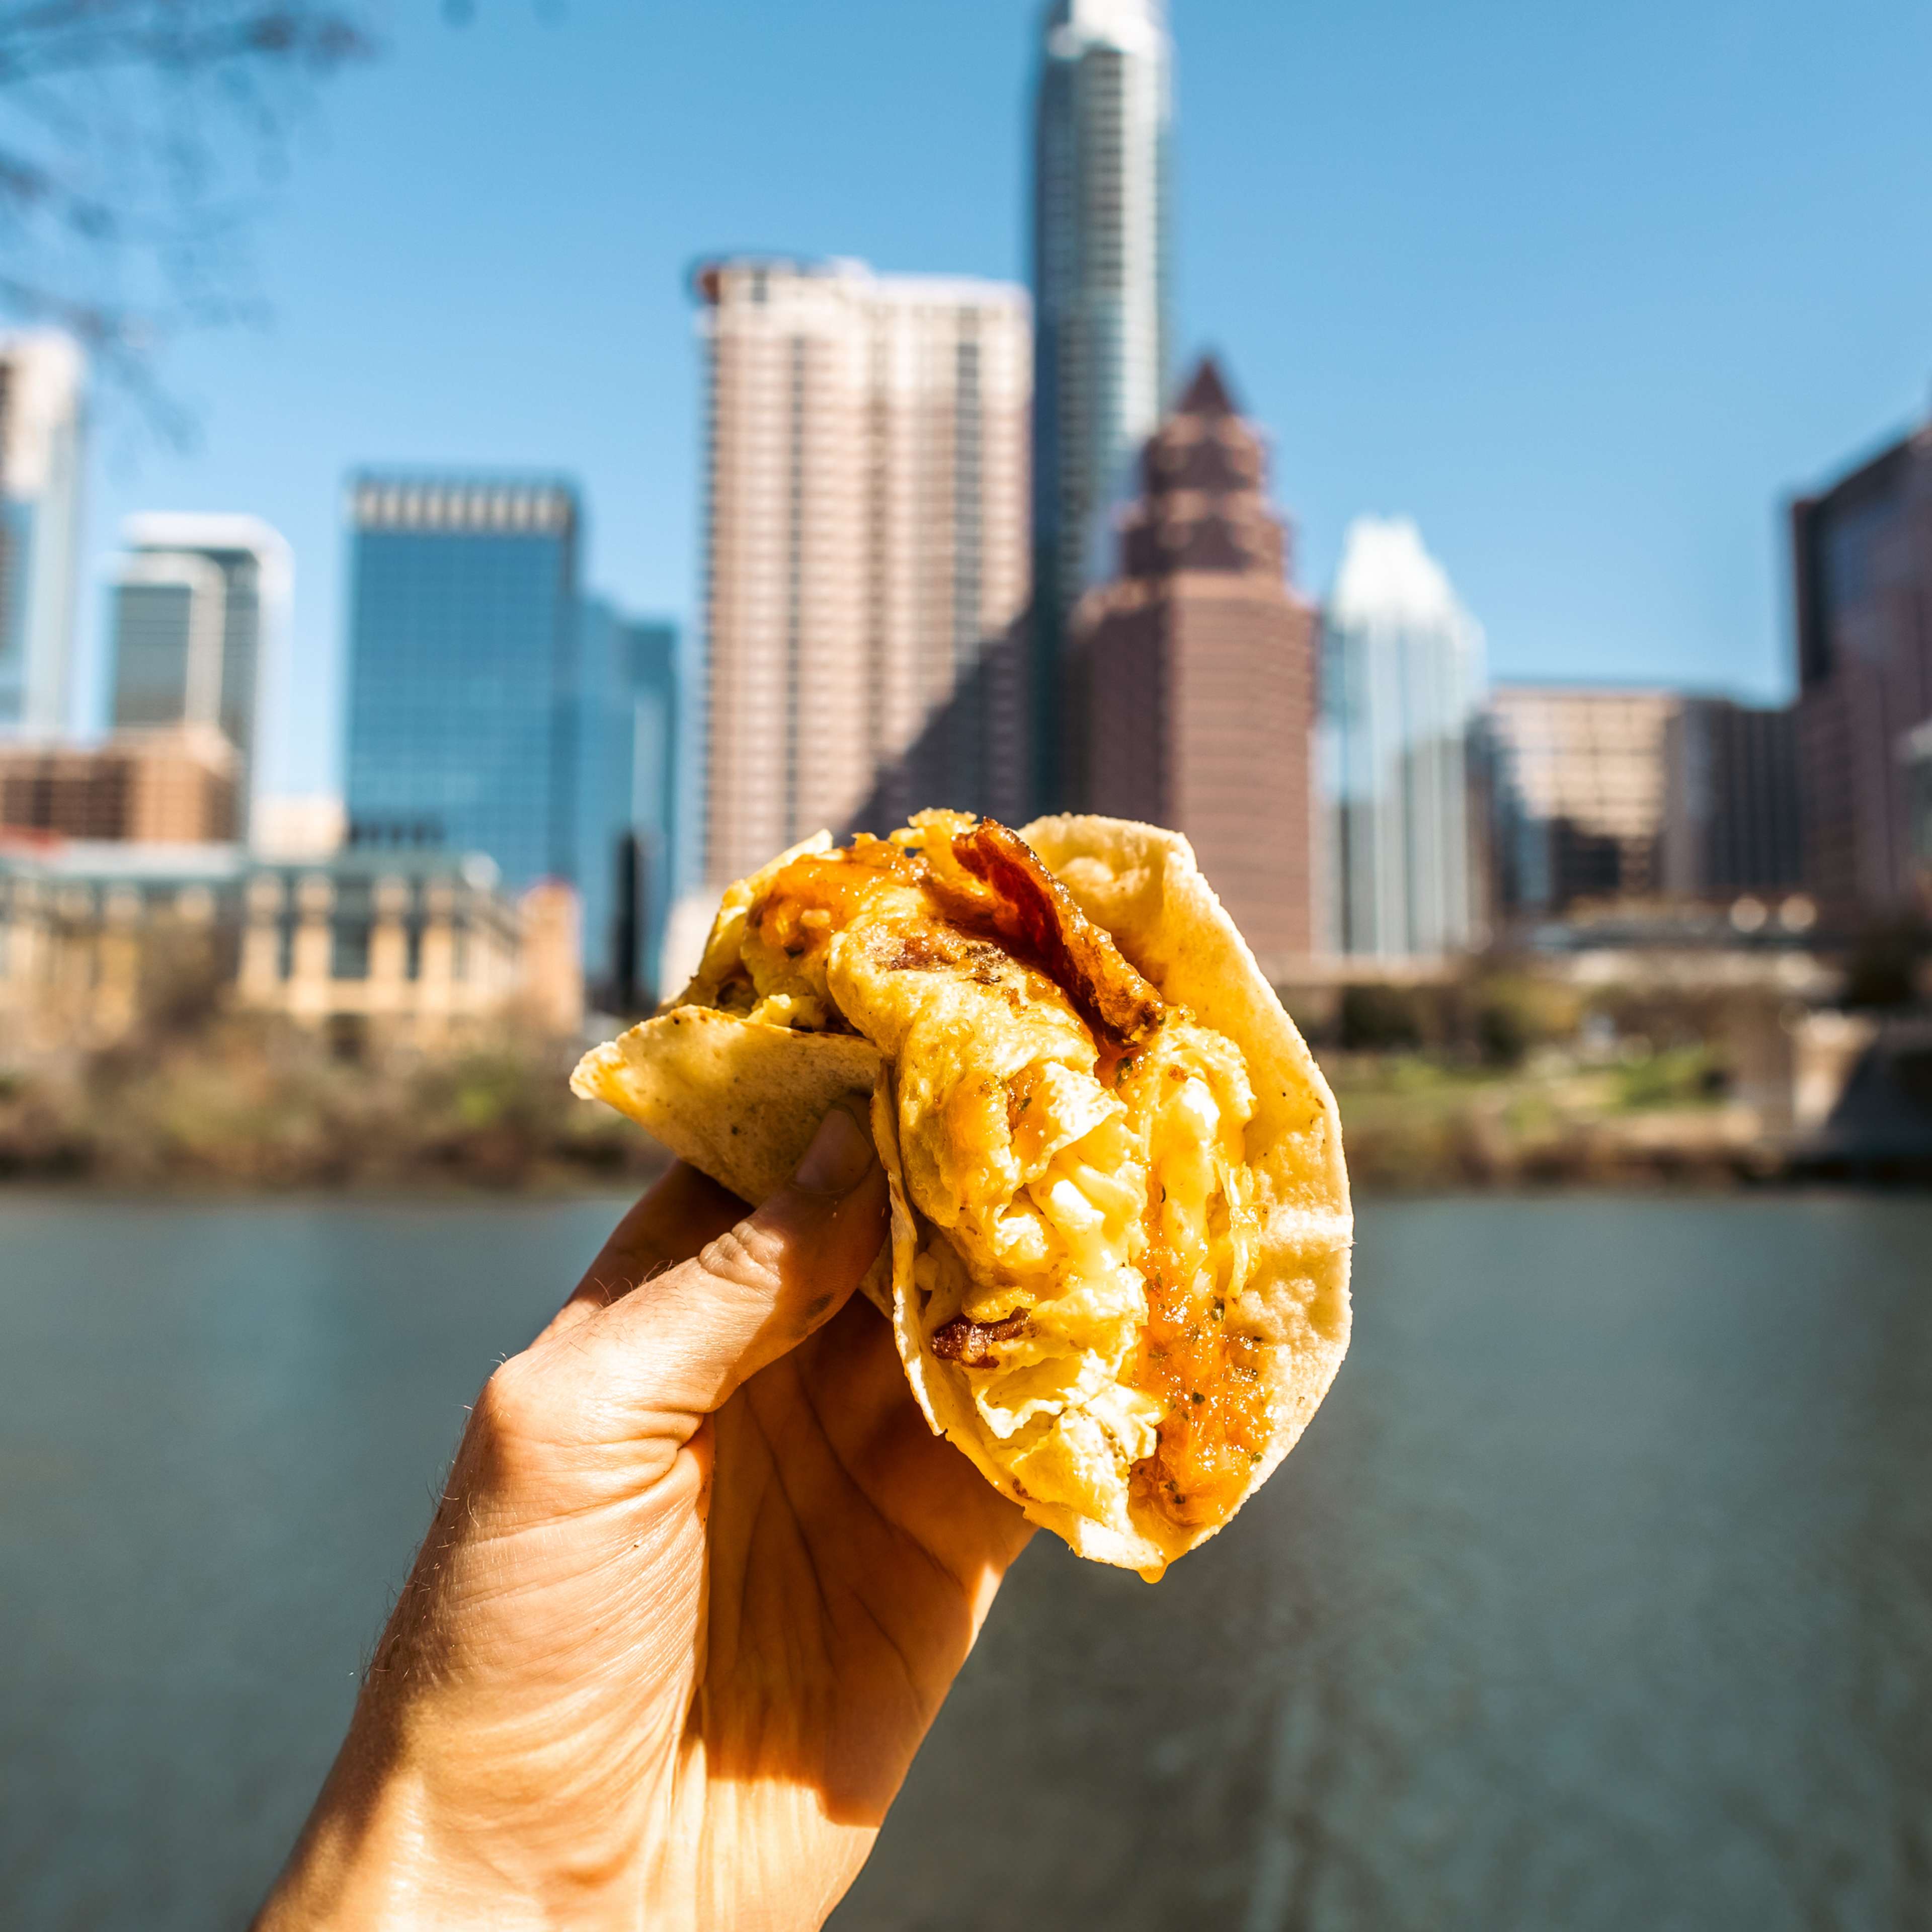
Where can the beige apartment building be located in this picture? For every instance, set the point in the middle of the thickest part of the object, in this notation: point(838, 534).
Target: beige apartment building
point(867, 553)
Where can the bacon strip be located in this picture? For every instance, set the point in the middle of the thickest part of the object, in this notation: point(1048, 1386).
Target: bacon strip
point(970, 1342)
point(1037, 920)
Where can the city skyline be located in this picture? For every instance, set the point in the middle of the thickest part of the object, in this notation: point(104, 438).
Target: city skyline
point(1601, 465)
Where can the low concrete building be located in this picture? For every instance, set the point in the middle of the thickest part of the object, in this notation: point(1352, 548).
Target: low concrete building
point(418, 944)
point(419, 947)
point(84, 925)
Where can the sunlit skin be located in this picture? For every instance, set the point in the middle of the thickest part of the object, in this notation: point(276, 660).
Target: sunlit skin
point(700, 1579)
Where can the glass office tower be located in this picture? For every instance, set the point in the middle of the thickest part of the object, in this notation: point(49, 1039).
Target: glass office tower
point(1401, 682)
point(1100, 299)
point(628, 783)
point(464, 638)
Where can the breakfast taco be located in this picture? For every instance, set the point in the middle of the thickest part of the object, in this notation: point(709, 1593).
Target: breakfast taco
point(1118, 1270)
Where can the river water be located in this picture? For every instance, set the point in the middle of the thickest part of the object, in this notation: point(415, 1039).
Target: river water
point(1598, 1595)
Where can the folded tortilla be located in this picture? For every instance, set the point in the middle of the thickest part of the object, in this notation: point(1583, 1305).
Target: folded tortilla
point(1119, 1263)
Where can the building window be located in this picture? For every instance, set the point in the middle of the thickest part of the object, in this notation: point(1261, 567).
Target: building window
point(348, 952)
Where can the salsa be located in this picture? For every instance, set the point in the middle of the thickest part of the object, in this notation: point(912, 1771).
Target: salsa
point(1216, 1430)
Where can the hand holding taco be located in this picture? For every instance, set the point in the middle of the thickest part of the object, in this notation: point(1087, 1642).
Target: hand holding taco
point(1118, 1274)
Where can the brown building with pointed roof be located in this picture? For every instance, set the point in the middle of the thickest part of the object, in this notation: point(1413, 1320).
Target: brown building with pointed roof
point(1194, 670)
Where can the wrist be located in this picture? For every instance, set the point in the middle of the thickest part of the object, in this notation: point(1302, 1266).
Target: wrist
point(376, 1853)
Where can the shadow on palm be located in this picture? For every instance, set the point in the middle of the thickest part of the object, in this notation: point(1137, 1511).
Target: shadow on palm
point(849, 1554)
point(852, 1556)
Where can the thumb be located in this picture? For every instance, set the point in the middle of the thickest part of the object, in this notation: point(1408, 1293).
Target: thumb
point(690, 1337)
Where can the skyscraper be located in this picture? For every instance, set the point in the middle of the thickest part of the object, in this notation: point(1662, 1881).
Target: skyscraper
point(865, 547)
point(40, 450)
point(1100, 294)
point(1731, 815)
point(1861, 555)
point(1587, 774)
point(1401, 678)
point(1195, 671)
point(200, 602)
point(463, 634)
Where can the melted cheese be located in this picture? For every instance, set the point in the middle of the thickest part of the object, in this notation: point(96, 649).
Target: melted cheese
point(1055, 1195)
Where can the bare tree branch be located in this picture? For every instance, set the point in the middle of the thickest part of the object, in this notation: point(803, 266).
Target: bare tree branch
point(120, 121)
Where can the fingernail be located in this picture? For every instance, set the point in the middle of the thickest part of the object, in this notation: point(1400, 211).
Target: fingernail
point(839, 1157)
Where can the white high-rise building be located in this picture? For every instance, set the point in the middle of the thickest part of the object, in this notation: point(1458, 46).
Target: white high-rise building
point(42, 375)
point(201, 609)
point(1100, 301)
point(1402, 676)
point(865, 547)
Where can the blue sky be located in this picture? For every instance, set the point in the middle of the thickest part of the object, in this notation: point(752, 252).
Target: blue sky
point(1586, 290)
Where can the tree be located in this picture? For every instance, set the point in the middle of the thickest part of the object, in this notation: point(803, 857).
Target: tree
point(123, 124)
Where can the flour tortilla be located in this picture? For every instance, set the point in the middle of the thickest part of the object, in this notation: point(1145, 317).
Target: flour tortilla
point(740, 1100)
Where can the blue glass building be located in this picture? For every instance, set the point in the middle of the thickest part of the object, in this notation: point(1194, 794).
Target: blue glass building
point(464, 640)
point(493, 709)
point(628, 781)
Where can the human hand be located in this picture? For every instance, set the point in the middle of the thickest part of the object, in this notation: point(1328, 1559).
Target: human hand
point(699, 1581)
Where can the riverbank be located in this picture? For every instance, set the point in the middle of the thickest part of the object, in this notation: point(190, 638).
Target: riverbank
point(250, 1104)
point(1411, 1122)
point(242, 1104)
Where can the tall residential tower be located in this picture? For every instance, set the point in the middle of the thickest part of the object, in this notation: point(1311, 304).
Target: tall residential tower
point(1100, 289)
point(41, 436)
point(865, 548)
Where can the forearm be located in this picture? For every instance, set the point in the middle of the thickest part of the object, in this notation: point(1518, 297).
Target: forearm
point(372, 1855)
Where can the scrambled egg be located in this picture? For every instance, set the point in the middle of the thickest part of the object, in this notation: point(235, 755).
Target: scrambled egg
point(1069, 1177)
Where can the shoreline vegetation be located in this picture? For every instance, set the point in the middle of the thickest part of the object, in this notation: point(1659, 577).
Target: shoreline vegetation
point(1507, 1086)
point(245, 1104)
